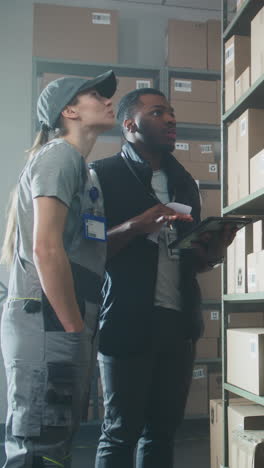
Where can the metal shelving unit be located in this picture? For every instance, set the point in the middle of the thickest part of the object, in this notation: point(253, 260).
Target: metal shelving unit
point(252, 205)
point(240, 24)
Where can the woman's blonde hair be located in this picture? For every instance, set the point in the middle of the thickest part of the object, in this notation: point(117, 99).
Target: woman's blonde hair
point(42, 138)
point(7, 252)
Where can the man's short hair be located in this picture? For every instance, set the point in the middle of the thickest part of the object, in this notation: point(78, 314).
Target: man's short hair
point(128, 104)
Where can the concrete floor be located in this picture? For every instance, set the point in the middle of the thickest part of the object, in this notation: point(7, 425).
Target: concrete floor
point(192, 446)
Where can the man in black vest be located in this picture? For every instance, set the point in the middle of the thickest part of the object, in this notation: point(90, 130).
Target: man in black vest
point(151, 312)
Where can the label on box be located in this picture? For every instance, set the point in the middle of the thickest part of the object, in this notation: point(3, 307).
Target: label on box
point(213, 168)
point(101, 18)
point(243, 127)
point(253, 348)
point(252, 279)
point(183, 86)
point(182, 146)
point(206, 149)
point(143, 84)
point(239, 278)
point(215, 315)
point(229, 54)
point(198, 374)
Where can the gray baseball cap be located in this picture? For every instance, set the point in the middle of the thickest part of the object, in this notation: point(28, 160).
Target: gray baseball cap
point(60, 92)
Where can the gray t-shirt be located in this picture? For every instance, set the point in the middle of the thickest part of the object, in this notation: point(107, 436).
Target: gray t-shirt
point(57, 170)
point(167, 293)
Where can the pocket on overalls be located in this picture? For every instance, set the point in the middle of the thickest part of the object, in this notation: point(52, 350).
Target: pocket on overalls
point(59, 394)
point(25, 394)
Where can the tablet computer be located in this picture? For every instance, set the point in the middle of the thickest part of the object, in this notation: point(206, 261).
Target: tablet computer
point(211, 224)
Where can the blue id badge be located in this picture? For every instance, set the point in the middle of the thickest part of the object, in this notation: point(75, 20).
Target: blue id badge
point(94, 227)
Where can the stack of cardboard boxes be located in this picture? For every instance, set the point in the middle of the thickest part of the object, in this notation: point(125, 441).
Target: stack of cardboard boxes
point(196, 101)
point(245, 429)
point(206, 384)
point(255, 260)
point(193, 44)
point(52, 36)
point(208, 346)
point(197, 403)
point(198, 158)
point(243, 67)
point(244, 345)
point(245, 334)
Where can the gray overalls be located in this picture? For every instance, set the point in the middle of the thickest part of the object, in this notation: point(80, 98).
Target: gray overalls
point(49, 370)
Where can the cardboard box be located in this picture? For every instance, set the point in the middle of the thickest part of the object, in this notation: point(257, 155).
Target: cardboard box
point(246, 320)
point(244, 418)
point(53, 38)
point(231, 275)
point(257, 46)
point(210, 203)
point(194, 100)
point(250, 140)
point(186, 44)
point(196, 112)
point(237, 59)
point(216, 429)
point(243, 246)
point(207, 348)
point(202, 151)
point(246, 345)
point(257, 172)
point(210, 284)
point(247, 449)
point(216, 433)
point(215, 385)
point(212, 326)
point(182, 151)
point(197, 402)
point(105, 147)
point(242, 84)
point(214, 45)
point(232, 164)
point(202, 170)
point(192, 90)
point(258, 236)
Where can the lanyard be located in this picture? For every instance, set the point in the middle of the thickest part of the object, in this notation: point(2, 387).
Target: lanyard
point(150, 194)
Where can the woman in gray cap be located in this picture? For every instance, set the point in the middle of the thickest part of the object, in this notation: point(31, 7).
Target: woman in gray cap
point(57, 243)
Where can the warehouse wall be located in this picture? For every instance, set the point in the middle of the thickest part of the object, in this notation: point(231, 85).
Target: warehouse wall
point(142, 33)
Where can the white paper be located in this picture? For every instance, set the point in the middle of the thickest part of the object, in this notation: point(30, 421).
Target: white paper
point(178, 208)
